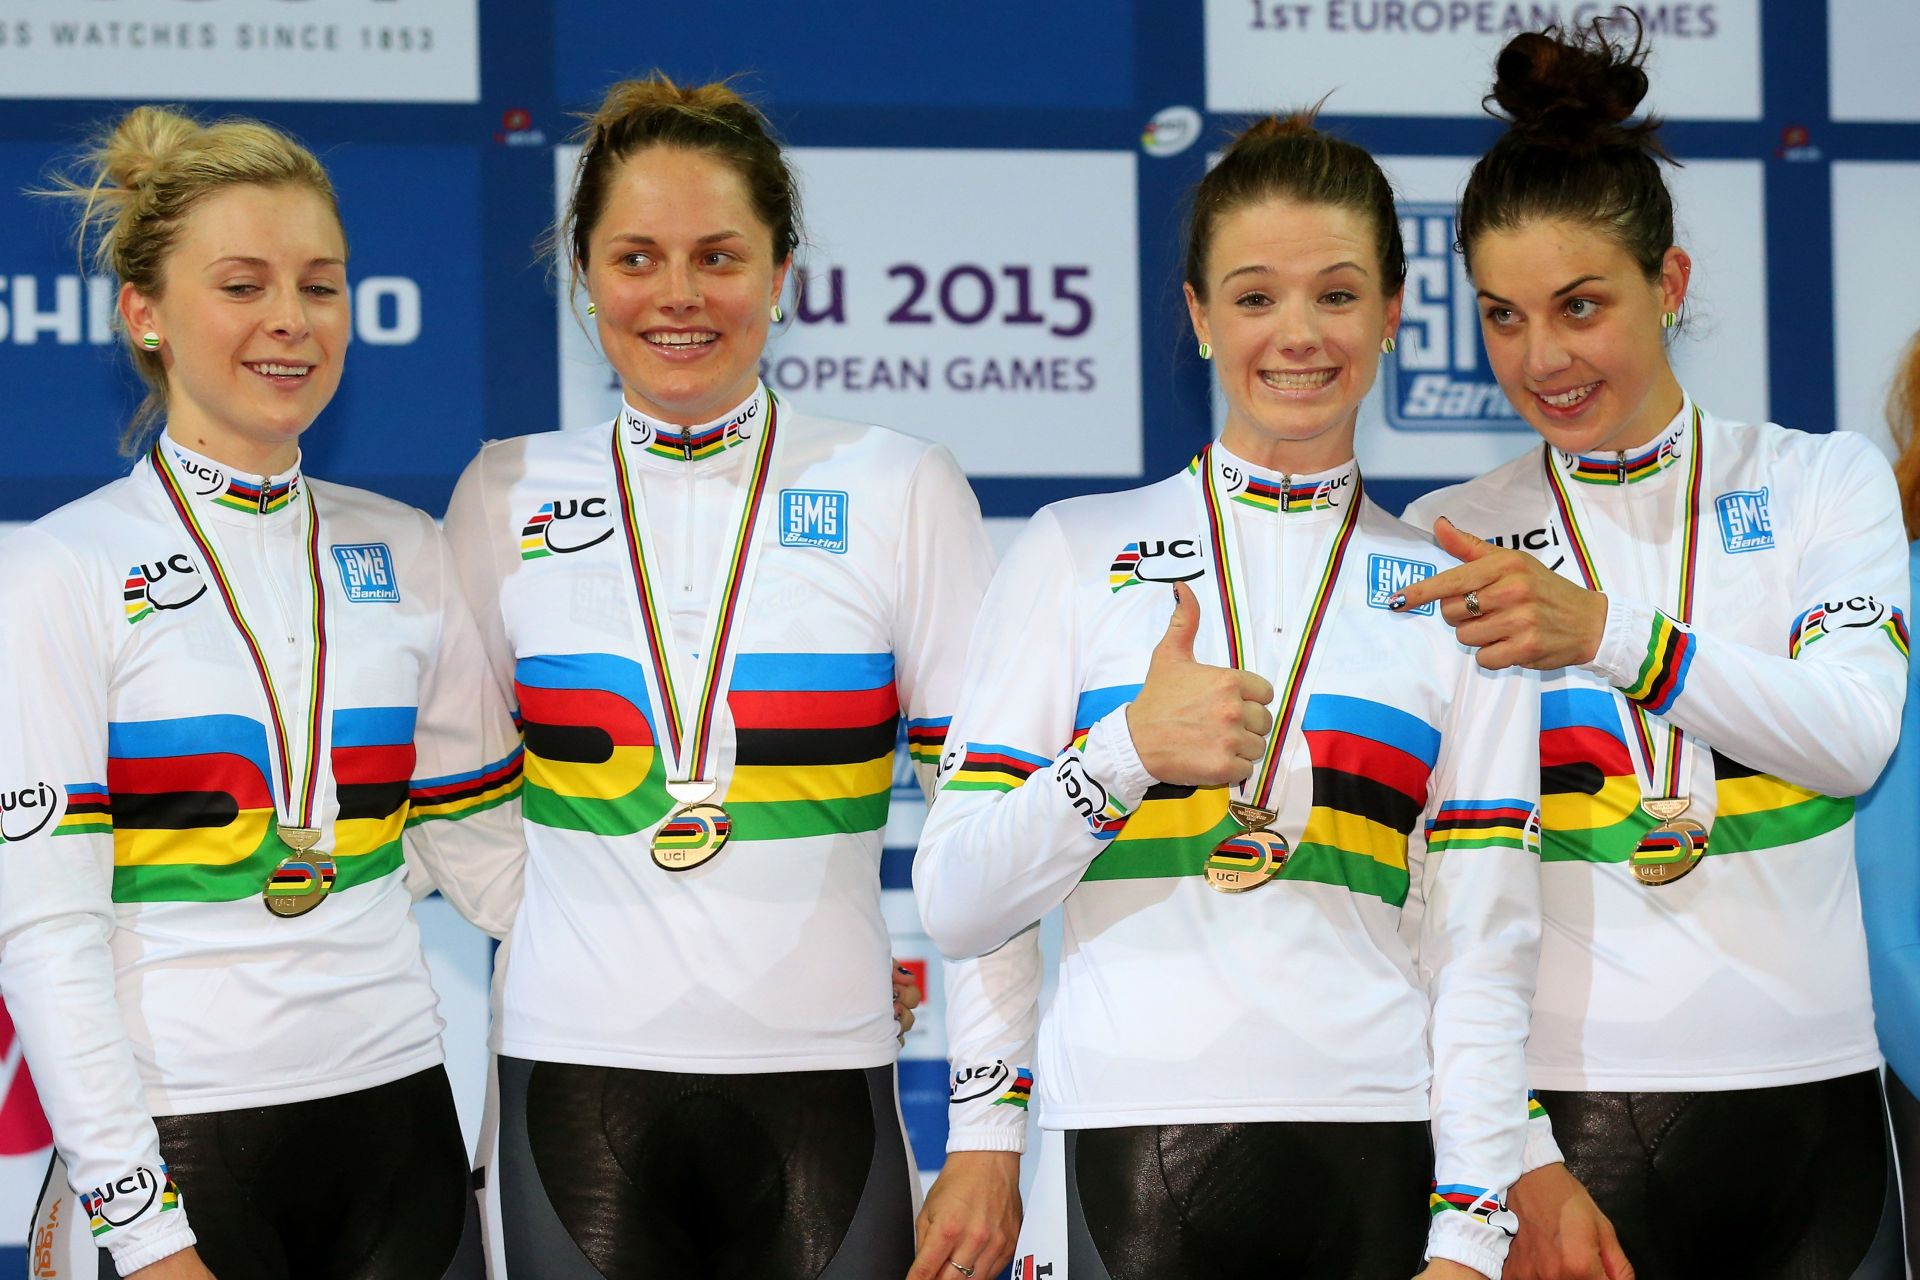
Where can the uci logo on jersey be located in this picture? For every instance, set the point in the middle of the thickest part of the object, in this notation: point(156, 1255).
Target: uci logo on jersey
point(212, 477)
point(366, 572)
point(977, 1082)
point(542, 535)
point(1540, 543)
point(170, 582)
point(28, 810)
point(117, 1203)
point(1388, 576)
point(1437, 377)
point(1746, 523)
point(1166, 560)
point(813, 518)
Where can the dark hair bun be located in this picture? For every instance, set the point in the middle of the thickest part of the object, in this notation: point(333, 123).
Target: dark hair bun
point(1575, 91)
point(1300, 124)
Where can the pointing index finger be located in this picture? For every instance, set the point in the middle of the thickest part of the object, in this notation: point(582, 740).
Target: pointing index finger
point(1456, 581)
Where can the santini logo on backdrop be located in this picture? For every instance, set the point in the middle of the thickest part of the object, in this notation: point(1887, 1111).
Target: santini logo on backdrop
point(1438, 377)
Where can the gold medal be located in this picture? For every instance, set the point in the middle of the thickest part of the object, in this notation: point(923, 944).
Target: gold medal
point(298, 839)
point(1673, 848)
point(1250, 857)
point(299, 883)
point(690, 836)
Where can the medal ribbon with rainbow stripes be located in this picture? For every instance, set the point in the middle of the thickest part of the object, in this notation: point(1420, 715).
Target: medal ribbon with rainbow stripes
point(1676, 844)
point(1254, 855)
point(697, 829)
point(302, 879)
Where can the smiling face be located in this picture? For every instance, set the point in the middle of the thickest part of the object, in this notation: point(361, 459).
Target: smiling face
point(1573, 332)
point(682, 276)
point(254, 321)
point(1295, 309)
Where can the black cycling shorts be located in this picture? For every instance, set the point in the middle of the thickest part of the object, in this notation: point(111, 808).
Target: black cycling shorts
point(1791, 1182)
point(1270, 1201)
point(658, 1175)
point(370, 1185)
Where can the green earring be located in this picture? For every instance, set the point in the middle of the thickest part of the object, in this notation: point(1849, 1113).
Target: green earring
point(777, 314)
point(591, 309)
point(1206, 351)
point(150, 340)
point(1668, 319)
point(1386, 345)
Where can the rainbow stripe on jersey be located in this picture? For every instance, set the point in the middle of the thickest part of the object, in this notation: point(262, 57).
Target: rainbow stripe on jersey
point(1371, 766)
point(1651, 461)
point(243, 495)
point(692, 446)
point(815, 736)
point(927, 739)
point(591, 763)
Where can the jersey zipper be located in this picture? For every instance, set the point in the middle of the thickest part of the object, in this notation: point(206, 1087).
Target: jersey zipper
point(1280, 558)
point(266, 566)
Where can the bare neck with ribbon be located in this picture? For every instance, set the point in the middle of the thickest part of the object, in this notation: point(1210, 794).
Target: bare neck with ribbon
point(1676, 844)
point(304, 877)
point(687, 711)
point(1255, 854)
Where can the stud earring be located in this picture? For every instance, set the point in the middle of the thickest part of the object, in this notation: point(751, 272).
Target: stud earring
point(1668, 319)
point(777, 314)
point(150, 340)
point(1387, 345)
point(591, 309)
point(1206, 351)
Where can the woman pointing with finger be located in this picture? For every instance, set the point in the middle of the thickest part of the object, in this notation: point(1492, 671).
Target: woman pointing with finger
point(1726, 654)
point(1289, 828)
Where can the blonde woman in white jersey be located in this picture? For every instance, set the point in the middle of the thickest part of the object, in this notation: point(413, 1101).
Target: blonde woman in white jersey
point(235, 702)
point(1725, 649)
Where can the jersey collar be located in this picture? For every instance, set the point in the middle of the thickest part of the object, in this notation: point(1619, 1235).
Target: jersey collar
point(215, 485)
point(1631, 466)
point(647, 436)
point(1317, 494)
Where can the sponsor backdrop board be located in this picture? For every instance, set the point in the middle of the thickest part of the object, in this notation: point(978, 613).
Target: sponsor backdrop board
point(993, 260)
point(990, 302)
point(164, 50)
point(1876, 285)
point(1861, 32)
point(1429, 57)
point(409, 412)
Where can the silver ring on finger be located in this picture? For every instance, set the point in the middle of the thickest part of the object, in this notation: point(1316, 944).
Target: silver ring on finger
point(962, 1268)
point(1473, 604)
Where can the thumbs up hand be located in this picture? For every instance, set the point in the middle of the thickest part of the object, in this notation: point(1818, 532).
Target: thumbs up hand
point(1193, 724)
point(1509, 606)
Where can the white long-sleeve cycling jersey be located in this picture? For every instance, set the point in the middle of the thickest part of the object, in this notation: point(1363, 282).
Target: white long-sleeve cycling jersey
point(1787, 683)
point(1385, 974)
point(138, 785)
point(871, 561)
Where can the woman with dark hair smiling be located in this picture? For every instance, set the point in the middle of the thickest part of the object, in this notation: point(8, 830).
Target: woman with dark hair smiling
point(713, 611)
point(1725, 657)
point(1293, 833)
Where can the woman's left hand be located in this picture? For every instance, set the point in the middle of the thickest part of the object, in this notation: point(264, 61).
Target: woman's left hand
point(1509, 606)
point(906, 998)
point(1446, 1269)
point(971, 1220)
